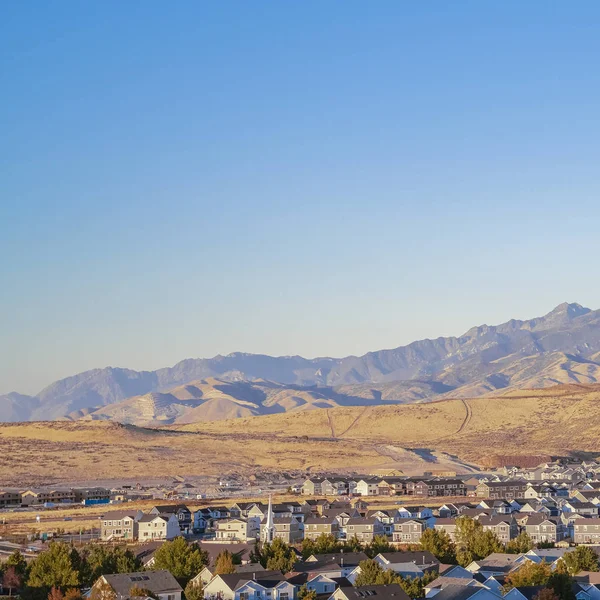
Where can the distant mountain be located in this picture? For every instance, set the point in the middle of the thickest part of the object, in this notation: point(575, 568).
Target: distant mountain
point(560, 347)
point(214, 399)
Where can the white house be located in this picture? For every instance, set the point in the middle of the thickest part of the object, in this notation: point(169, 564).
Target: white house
point(261, 585)
point(158, 527)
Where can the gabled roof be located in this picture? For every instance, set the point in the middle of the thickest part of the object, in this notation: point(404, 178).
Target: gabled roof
point(530, 591)
point(378, 592)
point(362, 521)
point(150, 517)
point(268, 579)
point(158, 582)
point(170, 508)
point(119, 514)
point(320, 521)
point(348, 559)
point(419, 557)
point(457, 592)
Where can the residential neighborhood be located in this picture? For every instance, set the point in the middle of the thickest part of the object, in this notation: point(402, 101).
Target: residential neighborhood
point(393, 525)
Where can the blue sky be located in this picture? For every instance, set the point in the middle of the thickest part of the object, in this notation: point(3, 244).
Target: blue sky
point(318, 178)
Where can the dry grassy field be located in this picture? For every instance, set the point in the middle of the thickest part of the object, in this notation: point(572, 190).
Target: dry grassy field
point(439, 435)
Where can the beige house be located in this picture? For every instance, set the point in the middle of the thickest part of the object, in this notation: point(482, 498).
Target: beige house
point(56, 496)
point(158, 527)
point(237, 529)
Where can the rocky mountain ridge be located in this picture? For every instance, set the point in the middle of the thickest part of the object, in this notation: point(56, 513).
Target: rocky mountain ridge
point(563, 346)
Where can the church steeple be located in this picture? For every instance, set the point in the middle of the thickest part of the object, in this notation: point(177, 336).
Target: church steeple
point(268, 533)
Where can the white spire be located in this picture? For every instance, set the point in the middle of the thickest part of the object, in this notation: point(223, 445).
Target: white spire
point(268, 533)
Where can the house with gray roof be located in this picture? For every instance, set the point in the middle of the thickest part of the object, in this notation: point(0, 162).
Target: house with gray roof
point(160, 583)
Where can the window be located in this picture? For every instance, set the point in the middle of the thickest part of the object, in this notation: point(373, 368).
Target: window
point(243, 595)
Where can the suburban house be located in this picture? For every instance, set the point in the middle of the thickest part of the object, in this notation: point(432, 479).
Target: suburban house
point(440, 487)
point(408, 564)
point(437, 585)
point(496, 564)
point(158, 527)
point(377, 592)
point(182, 512)
point(367, 487)
point(120, 524)
point(316, 526)
point(320, 583)
point(160, 583)
point(336, 564)
point(461, 591)
point(237, 529)
point(387, 517)
point(408, 531)
point(364, 528)
point(446, 524)
point(541, 528)
point(586, 531)
point(501, 489)
point(342, 515)
point(250, 586)
point(505, 527)
point(207, 573)
point(312, 486)
point(286, 529)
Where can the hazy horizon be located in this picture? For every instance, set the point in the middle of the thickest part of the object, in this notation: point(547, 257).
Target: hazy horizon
point(312, 179)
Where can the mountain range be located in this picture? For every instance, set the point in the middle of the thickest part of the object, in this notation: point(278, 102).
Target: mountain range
point(561, 347)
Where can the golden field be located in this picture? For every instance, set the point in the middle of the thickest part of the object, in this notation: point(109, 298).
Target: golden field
point(446, 434)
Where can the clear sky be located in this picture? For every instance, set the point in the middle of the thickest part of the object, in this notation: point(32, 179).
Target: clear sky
point(181, 179)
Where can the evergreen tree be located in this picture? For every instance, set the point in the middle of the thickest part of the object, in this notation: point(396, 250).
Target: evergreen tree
point(305, 594)
point(354, 545)
point(439, 543)
point(415, 586)
point(379, 544)
point(17, 560)
point(520, 545)
point(326, 543)
point(194, 591)
point(369, 572)
point(56, 567)
point(277, 556)
point(473, 542)
point(224, 563)
point(184, 561)
point(529, 574)
point(561, 582)
point(583, 558)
